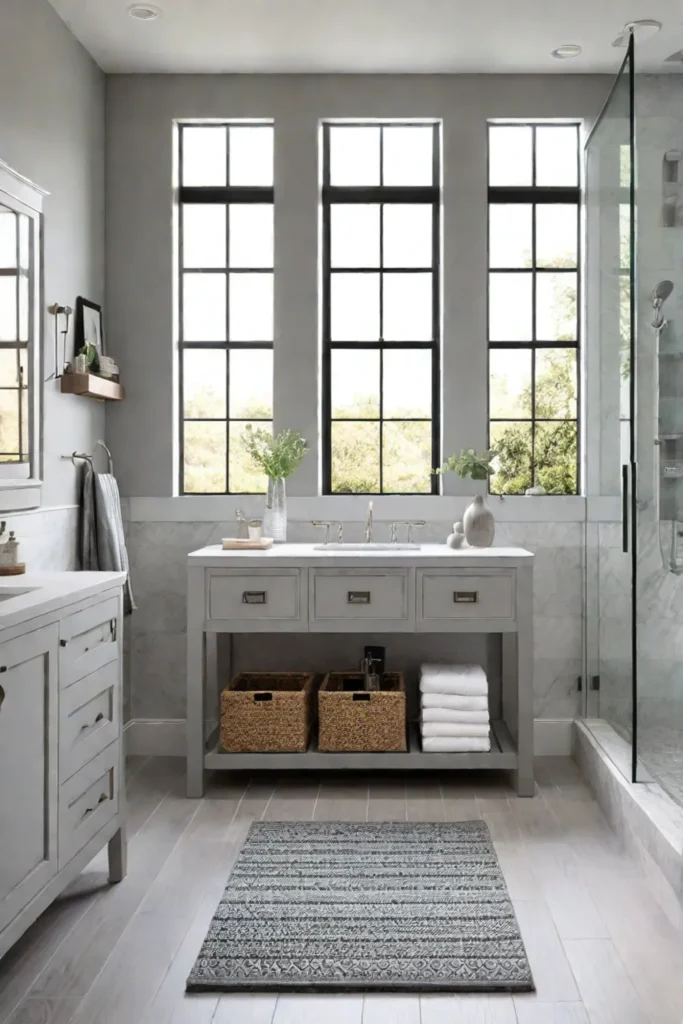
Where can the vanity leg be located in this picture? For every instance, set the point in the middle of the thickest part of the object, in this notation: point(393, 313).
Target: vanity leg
point(195, 682)
point(118, 855)
point(524, 666)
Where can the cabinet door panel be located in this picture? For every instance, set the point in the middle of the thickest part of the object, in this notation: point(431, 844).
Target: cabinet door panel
point(88, 641)
point(28, 768)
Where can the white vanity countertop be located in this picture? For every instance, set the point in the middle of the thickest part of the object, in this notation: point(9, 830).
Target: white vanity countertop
point(50, 591)
point(433, 555)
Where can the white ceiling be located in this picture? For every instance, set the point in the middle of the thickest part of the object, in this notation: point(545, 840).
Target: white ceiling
point(369, 35)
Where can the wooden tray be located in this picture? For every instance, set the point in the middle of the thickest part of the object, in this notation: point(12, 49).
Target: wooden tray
point(242, 544)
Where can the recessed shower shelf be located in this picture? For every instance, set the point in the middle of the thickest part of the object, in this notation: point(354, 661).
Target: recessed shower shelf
point(668, 437)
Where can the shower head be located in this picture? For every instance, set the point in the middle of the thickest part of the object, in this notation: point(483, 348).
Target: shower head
point(661, 293)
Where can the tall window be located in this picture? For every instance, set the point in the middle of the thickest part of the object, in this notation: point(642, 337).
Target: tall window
point(381, 311)
point(533, 326)
point(225, 302)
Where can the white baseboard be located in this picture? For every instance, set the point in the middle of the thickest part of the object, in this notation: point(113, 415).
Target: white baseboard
point(165, 737)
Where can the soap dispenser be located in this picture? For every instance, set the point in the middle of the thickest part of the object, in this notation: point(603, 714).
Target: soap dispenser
point(9, 555)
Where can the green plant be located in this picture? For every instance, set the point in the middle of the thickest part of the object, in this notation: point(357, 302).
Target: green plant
point(277, 456)
point(469, 464)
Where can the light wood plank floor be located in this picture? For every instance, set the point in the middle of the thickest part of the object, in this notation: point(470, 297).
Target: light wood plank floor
point(602, 949)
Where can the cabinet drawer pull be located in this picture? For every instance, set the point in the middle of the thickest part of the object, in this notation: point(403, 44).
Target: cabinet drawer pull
point(3, 668)
point(90, 810)
point(358, 597)
point(466, 596)
point(255, 597)
point(63, 643)
point(98, 718)
point(2, 696)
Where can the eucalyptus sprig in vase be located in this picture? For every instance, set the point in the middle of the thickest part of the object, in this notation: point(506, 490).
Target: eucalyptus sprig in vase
point(478, 521)
point(277, 457)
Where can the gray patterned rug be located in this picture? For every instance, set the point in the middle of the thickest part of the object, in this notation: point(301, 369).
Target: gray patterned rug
point(390, 906)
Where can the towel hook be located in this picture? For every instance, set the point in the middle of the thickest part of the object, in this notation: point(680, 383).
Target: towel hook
point(89, 458)
point(109, 458)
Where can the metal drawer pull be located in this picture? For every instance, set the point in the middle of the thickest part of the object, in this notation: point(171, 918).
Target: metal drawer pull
point(466, 596)
point(255, 597)
point(90, 810)
point(2, 696)
point(98, 718)
point(358, 597)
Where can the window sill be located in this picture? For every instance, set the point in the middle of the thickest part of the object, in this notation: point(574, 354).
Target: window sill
point(16, 495)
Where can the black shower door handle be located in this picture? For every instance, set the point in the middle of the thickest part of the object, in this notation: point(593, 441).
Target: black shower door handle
point(624, 508)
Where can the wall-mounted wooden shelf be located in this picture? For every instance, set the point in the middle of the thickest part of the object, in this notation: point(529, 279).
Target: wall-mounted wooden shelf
point(91, 386)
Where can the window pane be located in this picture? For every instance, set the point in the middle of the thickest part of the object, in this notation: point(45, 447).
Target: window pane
point(407, 384)
point(408, 235)
point(510, 235)
point(204, 384)
point(9, 426)
point(407, 458)
point(512, 443)
point(9, 368)
point(407, 307)
point(556, 235)
point(251, 384)
point(204, 155)
point(556, 307)
point(555, 457)
point(25, 431)
point(557, 155)
point(354, 155)
point(556, 383)
point(355, 458)
point(23, 307)
point(407, 155)
point(510, 307)
point(204, 307)
point(204, 462)
point(24, 241)
point(203, 235)
point(510, 160)
point(245, 477)
point(510, 383)
point(251, 307)
point(251, 155)
point(354, 235)
point(624, 236)
point(251, 235)
point(8, 309)
point(8, 238)
point(355, 307)
point(355, 384)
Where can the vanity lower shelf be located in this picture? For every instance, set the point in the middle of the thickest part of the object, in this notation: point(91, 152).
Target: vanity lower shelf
point(503, 756)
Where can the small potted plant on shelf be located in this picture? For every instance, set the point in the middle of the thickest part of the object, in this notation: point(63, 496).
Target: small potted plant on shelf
point(278, 457)
point(478, 522)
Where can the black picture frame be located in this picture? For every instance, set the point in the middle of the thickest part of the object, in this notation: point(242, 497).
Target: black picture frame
point(87, 314)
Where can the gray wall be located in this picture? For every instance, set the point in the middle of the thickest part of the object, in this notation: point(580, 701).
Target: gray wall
point(52, 131)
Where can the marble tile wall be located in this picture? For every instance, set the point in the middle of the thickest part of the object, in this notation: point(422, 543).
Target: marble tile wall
point(158, 550)
point(47, 537)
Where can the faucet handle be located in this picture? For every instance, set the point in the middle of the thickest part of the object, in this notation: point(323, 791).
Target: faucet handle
point(327, 524)
point(410, 523)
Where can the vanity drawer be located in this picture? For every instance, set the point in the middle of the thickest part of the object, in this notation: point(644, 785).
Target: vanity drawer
point(444, 595)
point(88, 641)
point(259, 596)
point(358, 595)
point(89, 713)
point(87, 802)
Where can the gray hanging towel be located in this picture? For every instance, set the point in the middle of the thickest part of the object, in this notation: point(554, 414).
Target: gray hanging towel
point(103, 544)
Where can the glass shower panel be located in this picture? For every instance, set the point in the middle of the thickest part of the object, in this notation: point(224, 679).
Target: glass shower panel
point(609, 465)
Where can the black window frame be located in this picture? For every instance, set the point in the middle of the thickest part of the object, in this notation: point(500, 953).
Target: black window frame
point(536, 195)
point(228, 195)
point(380, 195)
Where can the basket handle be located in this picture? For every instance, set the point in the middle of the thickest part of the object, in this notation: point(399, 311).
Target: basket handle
point(263, 696)
point(360, 696)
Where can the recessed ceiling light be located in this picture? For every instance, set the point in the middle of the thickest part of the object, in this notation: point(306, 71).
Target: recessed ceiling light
point(144, 12)
point(566, 51)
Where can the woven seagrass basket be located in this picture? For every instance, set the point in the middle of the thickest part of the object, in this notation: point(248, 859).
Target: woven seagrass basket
point(267, 712)
point(357, 720)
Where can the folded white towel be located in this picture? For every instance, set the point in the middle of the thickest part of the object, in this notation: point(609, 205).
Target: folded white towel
point(467, 671)
point(464, 686)
point(451, 717)
point(455, 744)
point(454, 702)
point(453, 729)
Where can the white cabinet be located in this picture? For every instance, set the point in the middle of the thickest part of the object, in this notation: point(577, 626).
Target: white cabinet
point(61, 755)
point(28, 768)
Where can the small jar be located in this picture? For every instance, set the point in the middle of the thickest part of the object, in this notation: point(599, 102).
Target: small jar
point(255, 528)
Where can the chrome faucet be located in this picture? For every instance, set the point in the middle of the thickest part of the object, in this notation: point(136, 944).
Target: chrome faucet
point(368, 523)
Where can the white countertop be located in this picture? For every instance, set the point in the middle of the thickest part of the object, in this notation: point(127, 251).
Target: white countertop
point(285, 555)
point(50, 591)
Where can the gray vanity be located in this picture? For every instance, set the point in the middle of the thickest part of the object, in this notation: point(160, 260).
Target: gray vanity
point(305, 588)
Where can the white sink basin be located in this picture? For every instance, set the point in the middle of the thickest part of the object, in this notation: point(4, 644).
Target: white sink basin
point(367, 547)
point(7, 593)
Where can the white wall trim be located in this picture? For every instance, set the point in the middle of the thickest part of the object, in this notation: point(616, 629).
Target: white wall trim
point(165, 737)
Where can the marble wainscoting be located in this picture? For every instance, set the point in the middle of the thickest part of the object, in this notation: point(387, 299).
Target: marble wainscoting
point(158, 550)
point(48, 538)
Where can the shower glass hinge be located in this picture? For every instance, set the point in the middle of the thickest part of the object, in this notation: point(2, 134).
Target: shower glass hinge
point(595, 682)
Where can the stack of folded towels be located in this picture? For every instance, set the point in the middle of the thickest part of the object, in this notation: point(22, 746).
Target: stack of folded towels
point(454, 713)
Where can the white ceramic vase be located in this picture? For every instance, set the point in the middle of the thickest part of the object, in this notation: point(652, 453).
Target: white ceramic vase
point(275, 512)
point(479, 524)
